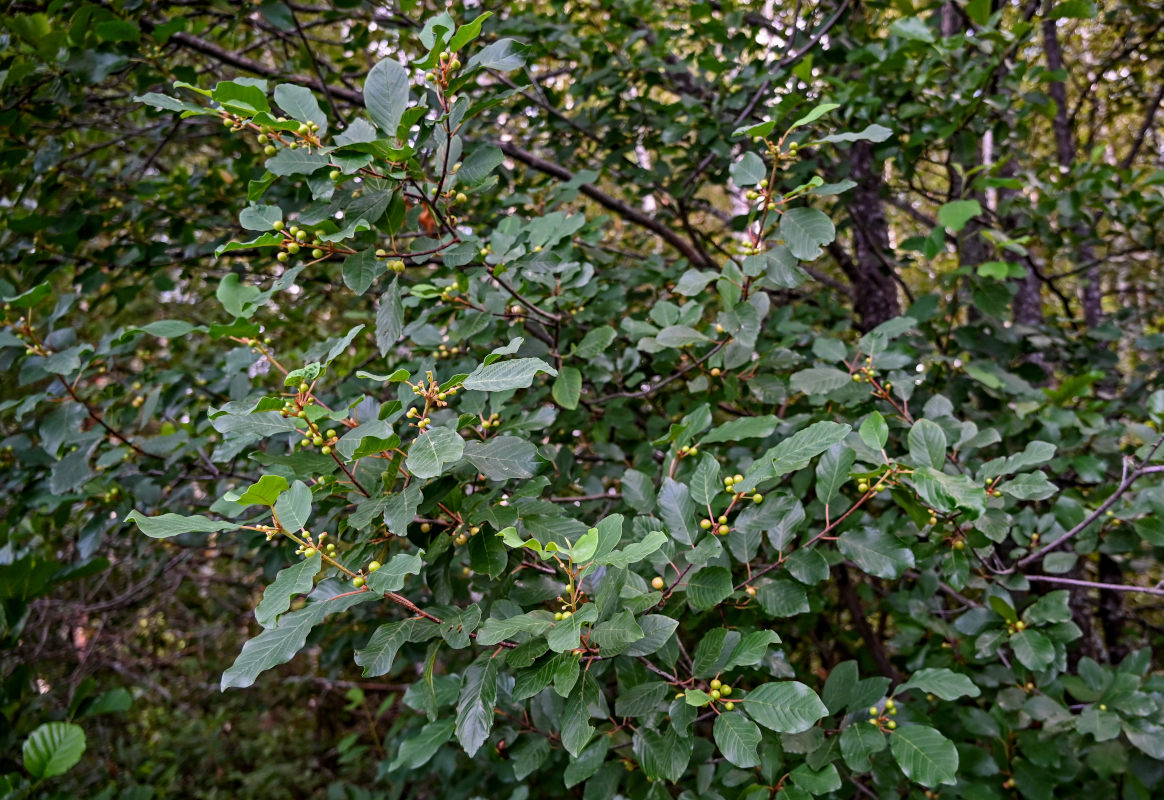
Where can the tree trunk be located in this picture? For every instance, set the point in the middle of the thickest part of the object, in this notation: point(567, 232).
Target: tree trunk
point(1092, 292)
point(871, 270)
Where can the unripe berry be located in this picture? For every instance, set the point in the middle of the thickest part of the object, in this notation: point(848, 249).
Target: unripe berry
point(317, 253)
point(358, 582)
point(714, 694)
point(303, 387)
point(715, 684)
point(325, 450)
point(277, 225)
point(705, 524)
point(722, 519)
point(269, 150)
point(301, 235)
point(757, 498)
point(331, 433)
point(334, 174)
point(723, 530)
point(557, 616)
point(425, 527)
point(293, 248)
point(283, 257)
point(309, 552)
point(725, 690)
point(891, 725)
point(716, 372)
point(729, 706)
point(657, 583)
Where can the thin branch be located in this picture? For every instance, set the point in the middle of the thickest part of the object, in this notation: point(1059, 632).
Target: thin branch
point(1111, 587)
point(1129, 478)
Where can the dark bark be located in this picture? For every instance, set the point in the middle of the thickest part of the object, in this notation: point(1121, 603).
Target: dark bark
point(871, 269)
point(1092, 292)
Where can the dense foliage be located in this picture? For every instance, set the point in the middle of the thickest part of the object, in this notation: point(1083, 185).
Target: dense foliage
point(587, 400)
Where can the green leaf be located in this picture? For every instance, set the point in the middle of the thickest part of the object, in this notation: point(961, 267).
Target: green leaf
point(279, 644)
point(300, 104)
point(743, 428)
point(638, 491)
point(679, 336)
point(1073, 9)
point(1029, 486)
point(566, 634)
point(296, 579)
point(503, 55)
point(296, 162)
point(705, 482)
point(677, 511)
point(496, 630)
point(164, 526)
point(418, 750)
point(502, 457)
point(487, 555)
point(818, 380)
point(751, 649)
point(52, 749)
point(709, 587)
point(618, 630)
point(663, 756)
point(796, 451)
point(595, 342)
point(391, 576)
point(264, 492)
point(874, 432)
point(389, 318)
point(377, 655)
point(481, 161)
point(814, 781)
point(475, 706)
point(813, 115)
point(871, 133)
point(924, 755)
point(858, 742)
point(737, 737)
point(955, 214)
point(657, 629)
point(804, 230)
point(949, 493)
point(260, 218)
point(782, 598)
point(567, 389)
point(944, 683)
point(361, 268)
point(876, 552)
point(1033, 650)
point(927, 444)
point(586, 763)
point(748, 171)
point(386, 95)
point(517, 373)
point(785, 707)
point(432, 451)
point(293, 507)
point(832, 471)
point(712, 652)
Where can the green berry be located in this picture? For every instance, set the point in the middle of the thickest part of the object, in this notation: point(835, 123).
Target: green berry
point(283, 257)
point(334, 174)
point(373, 566)
point(317, 253)
point(357, 581)
point(714, 694)
point(309, 552)
point(278, 225)
point(729, 706)
point(293, 248)
point(725, 691)
point(715, 684)
point(317, 440)
point(723, 530)
point(325, 450)
point(705, 524)
point(269, 150)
